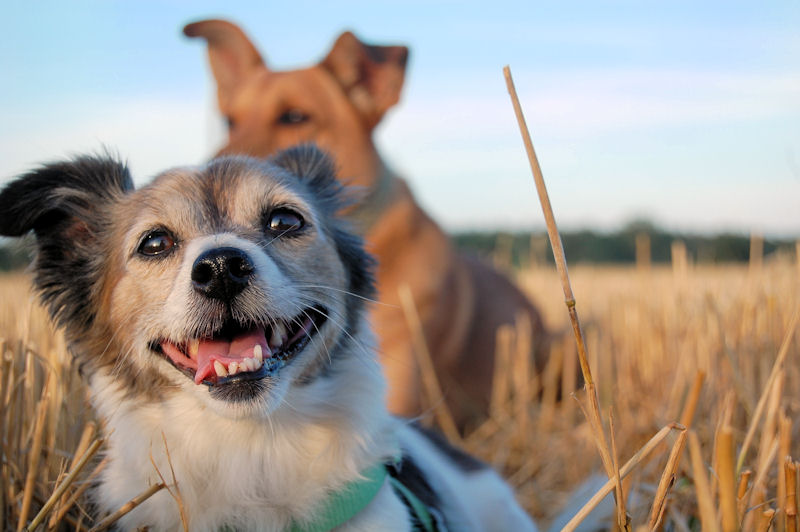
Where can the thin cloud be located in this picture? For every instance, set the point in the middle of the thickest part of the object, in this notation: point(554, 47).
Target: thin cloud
point(591, 103)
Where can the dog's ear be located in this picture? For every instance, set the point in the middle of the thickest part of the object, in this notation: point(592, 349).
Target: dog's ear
point(66, 206)
point(306, 161)
point(315, 168)
point(61, 195)
point(231, 54)
point(372, 76)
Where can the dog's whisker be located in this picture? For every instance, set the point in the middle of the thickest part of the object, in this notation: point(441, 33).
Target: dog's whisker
point(313, 338)
point(119, 359)
point(360, 345)
point(276, 237)
point(349, 293)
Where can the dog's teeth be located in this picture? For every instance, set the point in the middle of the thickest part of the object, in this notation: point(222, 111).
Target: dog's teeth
point(248, 364)
point(194, 346)
point(233, 368)
point(257, 354)
point(278, 335)
point(220, 369)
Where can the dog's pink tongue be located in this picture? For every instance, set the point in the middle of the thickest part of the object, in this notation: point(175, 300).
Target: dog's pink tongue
point(238, 349)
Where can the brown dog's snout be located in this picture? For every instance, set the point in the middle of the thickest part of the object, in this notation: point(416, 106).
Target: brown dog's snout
point(222, 273)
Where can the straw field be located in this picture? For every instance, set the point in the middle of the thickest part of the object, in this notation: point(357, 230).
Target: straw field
point(653, 335)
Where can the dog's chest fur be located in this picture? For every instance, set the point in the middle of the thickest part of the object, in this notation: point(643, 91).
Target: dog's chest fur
point(243, 474)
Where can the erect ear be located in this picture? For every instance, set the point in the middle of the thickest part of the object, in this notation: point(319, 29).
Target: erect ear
point(372, 76)
point(231, 54)
point(66, 205)
point(306, 161)
point(315, 168)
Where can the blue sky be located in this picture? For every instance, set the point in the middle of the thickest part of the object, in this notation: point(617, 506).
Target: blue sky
point(685, 113)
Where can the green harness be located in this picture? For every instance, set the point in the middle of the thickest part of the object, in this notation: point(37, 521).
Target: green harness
point(348, 502)
point(355, 496)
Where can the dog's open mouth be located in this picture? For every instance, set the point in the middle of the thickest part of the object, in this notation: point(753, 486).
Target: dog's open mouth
point(238, 352)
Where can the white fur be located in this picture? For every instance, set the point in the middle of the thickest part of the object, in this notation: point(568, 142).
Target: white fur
point(479, 500)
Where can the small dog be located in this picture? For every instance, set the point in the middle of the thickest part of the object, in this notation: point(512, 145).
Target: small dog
point(337, 104)
point(218, 315)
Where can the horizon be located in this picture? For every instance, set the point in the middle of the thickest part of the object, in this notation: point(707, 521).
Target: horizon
point(687, 116)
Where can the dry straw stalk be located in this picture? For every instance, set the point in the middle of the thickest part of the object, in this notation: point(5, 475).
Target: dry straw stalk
point(727, 480)
point(34, 458)
point(629, 466)
point(702, 486)
point(790, 502)
point(66, 483)
point(594, 416)
point(106, 523)
point(784, 350)
point(670, 470)
point(425, 362)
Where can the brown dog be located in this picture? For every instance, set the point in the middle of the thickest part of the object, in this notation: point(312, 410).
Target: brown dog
point(336, 104)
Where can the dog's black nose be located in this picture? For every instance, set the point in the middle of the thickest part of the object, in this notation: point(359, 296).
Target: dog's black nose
point(221, 273)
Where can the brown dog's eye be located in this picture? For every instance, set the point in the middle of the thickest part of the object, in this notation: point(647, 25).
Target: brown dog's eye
point(156, 243)
point(284, 221)
point(293, 117)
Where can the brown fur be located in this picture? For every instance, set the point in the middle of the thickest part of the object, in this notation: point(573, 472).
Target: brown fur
point(461, 301)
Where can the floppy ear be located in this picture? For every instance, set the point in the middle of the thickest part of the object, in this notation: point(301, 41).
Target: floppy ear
point(231, 54)
point(60, 195)
point(66, 206)
point(372, 76)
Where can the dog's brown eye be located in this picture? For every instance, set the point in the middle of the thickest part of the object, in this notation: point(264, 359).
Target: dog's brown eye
point(293, 117)
point(284, 221)
point(156, 243)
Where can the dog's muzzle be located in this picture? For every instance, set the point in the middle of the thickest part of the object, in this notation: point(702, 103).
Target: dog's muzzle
point(237, 353)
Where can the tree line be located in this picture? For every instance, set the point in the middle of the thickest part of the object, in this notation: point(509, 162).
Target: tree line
point(523, 248)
